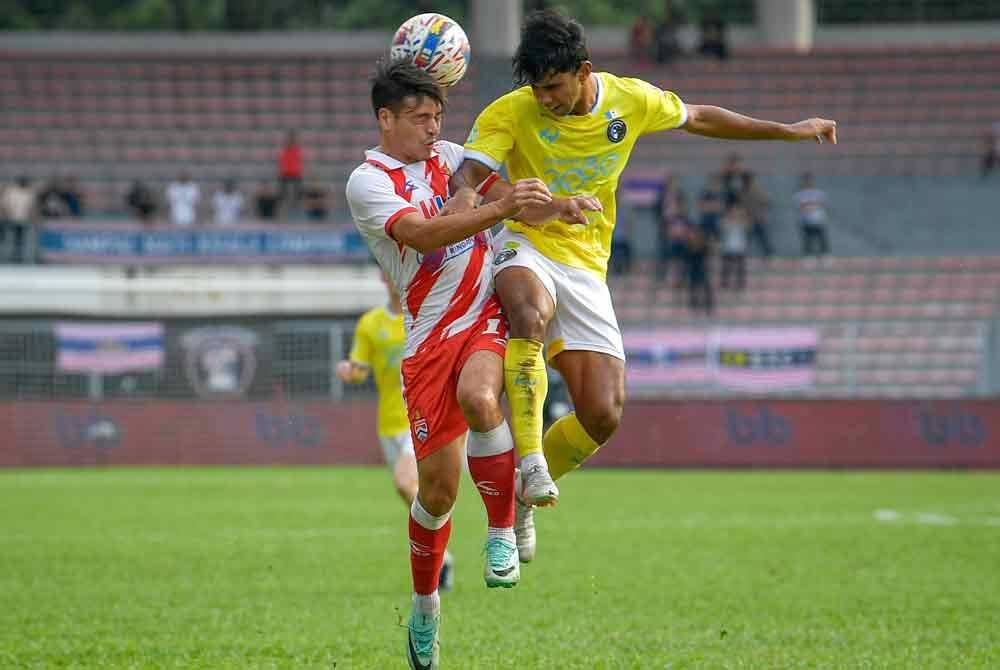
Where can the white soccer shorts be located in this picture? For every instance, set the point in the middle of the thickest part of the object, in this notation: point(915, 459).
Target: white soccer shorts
point(585, 318)
point(394, 446)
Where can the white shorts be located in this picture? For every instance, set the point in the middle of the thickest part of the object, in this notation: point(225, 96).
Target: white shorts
point(585, 318)
point(394, 446)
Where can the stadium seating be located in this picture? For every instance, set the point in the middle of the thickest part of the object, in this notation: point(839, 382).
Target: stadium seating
point(888, 326)
point(111, 118)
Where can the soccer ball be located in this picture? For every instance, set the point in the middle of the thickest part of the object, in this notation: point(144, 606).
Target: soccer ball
point(434, 43)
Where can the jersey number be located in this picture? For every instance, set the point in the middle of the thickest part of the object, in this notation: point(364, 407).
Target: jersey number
point(492, 327)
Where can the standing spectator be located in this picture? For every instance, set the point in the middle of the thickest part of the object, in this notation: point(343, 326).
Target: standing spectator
point(811, 203)
point(641, 39)
point(141, 201)
point(72, 196)
point(17, 213)
point(757, 203)
point(700, 295)
point(316, 202)
point(710, 208)
point(183, 197)
point(991, 150)
point(290, 171)
point(732, 179)
point(50, 202)
point(675, 231)
point(666, 35)
point(227, 204)
point(735, 229)
point(266, 201)
point(713, 35)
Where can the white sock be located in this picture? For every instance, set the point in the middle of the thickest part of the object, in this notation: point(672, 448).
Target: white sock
point(425, 518)
point(502, 533)
point(429, 604)
point(491, 443)
point(531, 460)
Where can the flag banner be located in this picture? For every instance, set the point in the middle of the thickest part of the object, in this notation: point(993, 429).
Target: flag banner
point(109, 348)
point(766, 359)
point(740, 359)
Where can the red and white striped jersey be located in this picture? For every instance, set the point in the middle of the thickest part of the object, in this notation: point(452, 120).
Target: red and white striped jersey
point(442, 292)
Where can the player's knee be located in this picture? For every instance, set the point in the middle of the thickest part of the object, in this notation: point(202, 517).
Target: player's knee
point(438, 497)
point(481, 406)
point(527, 321)
point(602, 420)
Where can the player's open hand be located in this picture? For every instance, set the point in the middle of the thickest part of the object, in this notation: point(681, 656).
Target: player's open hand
point(526, 194)
point(572, 210)
point(821, 130)
point(462, 201)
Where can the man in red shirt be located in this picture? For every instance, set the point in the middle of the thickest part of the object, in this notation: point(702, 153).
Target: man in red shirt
point(290, 172)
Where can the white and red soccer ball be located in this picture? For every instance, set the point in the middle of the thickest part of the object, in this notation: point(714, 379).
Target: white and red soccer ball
point(436, 44)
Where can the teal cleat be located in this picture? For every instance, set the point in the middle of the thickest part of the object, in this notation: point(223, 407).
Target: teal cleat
point(422, 648)
point(502, 566)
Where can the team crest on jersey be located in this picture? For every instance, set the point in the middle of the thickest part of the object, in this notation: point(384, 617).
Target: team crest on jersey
point(420, 429)
point(617, 130)
point(504, 256)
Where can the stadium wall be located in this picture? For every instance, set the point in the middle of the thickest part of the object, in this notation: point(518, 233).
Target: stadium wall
point(682, 434)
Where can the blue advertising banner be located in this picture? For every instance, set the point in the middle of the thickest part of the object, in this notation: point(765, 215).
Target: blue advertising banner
point(135, 244)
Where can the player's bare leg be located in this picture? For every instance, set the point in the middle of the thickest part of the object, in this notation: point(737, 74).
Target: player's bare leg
point(596, 384)
point(430, 527)
point(490, 452)
point(529, 308)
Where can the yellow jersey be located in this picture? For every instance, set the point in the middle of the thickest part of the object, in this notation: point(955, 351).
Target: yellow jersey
point(379, 341)
point(574, 155)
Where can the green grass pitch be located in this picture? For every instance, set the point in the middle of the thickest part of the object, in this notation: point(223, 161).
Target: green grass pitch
point(307, 568)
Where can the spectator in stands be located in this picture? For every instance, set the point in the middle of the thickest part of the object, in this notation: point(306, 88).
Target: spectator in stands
point(991, 150)
point(734, 246)
point(141, 201)
point(316, 202)
point(621, 238)
point(713, 35)
point(72, 196)
point(757, 203)
point(183, 196)
point(811, 203)
point(640, 43)
point(290, 172)
point(227, 204)
point(266, 201)
point(710, 208)
point(700, 295)
point(50, 201)
point(732, 179)
point(675, 232)
point(667, 42)
point(18, 210)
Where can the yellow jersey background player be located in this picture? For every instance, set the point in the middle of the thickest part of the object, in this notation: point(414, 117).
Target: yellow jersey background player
point(575, 129)
point(377, 350)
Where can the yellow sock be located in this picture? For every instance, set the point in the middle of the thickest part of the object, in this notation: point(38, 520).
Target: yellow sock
point(526, 384)
point(567, 445)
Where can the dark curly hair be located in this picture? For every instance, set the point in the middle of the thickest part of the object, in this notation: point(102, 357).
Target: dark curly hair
point(550, 43)
point(396, 80)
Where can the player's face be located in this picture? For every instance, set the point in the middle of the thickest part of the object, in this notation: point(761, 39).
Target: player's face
point(414, 130)
point(560, 92)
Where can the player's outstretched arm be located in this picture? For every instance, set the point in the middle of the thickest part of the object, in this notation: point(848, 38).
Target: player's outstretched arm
point(352, 372)
point(426, 235)
point(571, 210)
point(711, 121)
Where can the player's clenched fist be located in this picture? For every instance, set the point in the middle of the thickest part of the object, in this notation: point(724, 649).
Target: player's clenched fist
point(527, 193)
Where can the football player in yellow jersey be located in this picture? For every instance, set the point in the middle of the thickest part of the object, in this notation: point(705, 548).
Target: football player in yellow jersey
point(379, 340)
point(574, 128)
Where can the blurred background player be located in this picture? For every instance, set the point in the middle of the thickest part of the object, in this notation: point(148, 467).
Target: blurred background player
point(577, 128)
point(379, 341)
point(456, 334)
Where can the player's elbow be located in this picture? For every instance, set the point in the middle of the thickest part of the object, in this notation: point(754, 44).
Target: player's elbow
point(413, 233)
